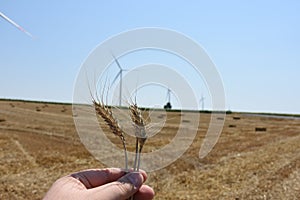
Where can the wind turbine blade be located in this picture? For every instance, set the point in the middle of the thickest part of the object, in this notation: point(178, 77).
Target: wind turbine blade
point(117, 62)
point(15, 24)
point(116, 77)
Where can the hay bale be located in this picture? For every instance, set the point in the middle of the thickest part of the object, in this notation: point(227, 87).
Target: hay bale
point(260, 129)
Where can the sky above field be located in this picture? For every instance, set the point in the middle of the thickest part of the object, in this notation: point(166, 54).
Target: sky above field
point(255, 45)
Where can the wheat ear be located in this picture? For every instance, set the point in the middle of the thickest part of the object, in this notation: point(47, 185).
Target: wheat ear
point(140, 133)
point(106, 114)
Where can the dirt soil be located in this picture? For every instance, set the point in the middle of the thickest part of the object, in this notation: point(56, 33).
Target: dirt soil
point(39, 144)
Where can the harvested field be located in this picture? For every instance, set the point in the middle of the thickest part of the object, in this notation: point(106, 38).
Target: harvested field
point(256, 157)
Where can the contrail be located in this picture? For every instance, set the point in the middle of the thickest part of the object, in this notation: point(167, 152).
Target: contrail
point(15, 24)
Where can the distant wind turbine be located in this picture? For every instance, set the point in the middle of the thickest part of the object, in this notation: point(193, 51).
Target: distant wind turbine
point(16, 25)
point(168, 106)
point(202, 101)
point(120, 74)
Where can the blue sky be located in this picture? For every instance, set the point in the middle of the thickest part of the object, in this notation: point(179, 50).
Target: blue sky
point(255, 45)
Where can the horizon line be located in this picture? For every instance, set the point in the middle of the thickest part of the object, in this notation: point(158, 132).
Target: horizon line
point(228, 111)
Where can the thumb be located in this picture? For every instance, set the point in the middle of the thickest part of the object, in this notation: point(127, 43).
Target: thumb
point(123, 188)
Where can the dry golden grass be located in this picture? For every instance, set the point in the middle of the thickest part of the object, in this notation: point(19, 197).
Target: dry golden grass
point(39, 143)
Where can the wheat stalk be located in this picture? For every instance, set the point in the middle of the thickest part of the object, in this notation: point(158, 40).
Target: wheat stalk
point(106, 114)
point(140, 133)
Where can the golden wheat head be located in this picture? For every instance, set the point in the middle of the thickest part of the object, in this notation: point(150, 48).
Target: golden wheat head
point(139, 123)
point(106, 114)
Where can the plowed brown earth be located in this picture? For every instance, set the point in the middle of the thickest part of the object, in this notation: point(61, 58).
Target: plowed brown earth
point(39, 144)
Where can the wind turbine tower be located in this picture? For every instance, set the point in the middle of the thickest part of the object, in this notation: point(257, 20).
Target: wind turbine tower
point(201, 101)
point(168, 106)
point(169, 95)
point(120, 74)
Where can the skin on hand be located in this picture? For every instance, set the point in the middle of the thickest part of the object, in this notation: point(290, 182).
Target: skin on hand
point(106, 184)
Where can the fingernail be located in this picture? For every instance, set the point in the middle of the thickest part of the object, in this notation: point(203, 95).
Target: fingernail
point(136, 179)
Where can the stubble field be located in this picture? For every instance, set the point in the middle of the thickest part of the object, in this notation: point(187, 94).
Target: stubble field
point(39, 144)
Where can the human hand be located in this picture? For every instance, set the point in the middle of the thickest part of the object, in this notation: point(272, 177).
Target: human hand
point(106, 184)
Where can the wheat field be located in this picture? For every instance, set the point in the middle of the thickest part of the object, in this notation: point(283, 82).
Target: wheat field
point(255, 158)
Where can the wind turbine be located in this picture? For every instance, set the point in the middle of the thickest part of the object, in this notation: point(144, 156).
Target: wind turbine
point(16, 25)
point(202, 101)
point(120, 74)
point(168, 106)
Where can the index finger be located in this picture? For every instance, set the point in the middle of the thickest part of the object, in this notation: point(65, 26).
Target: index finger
point(96, 177)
